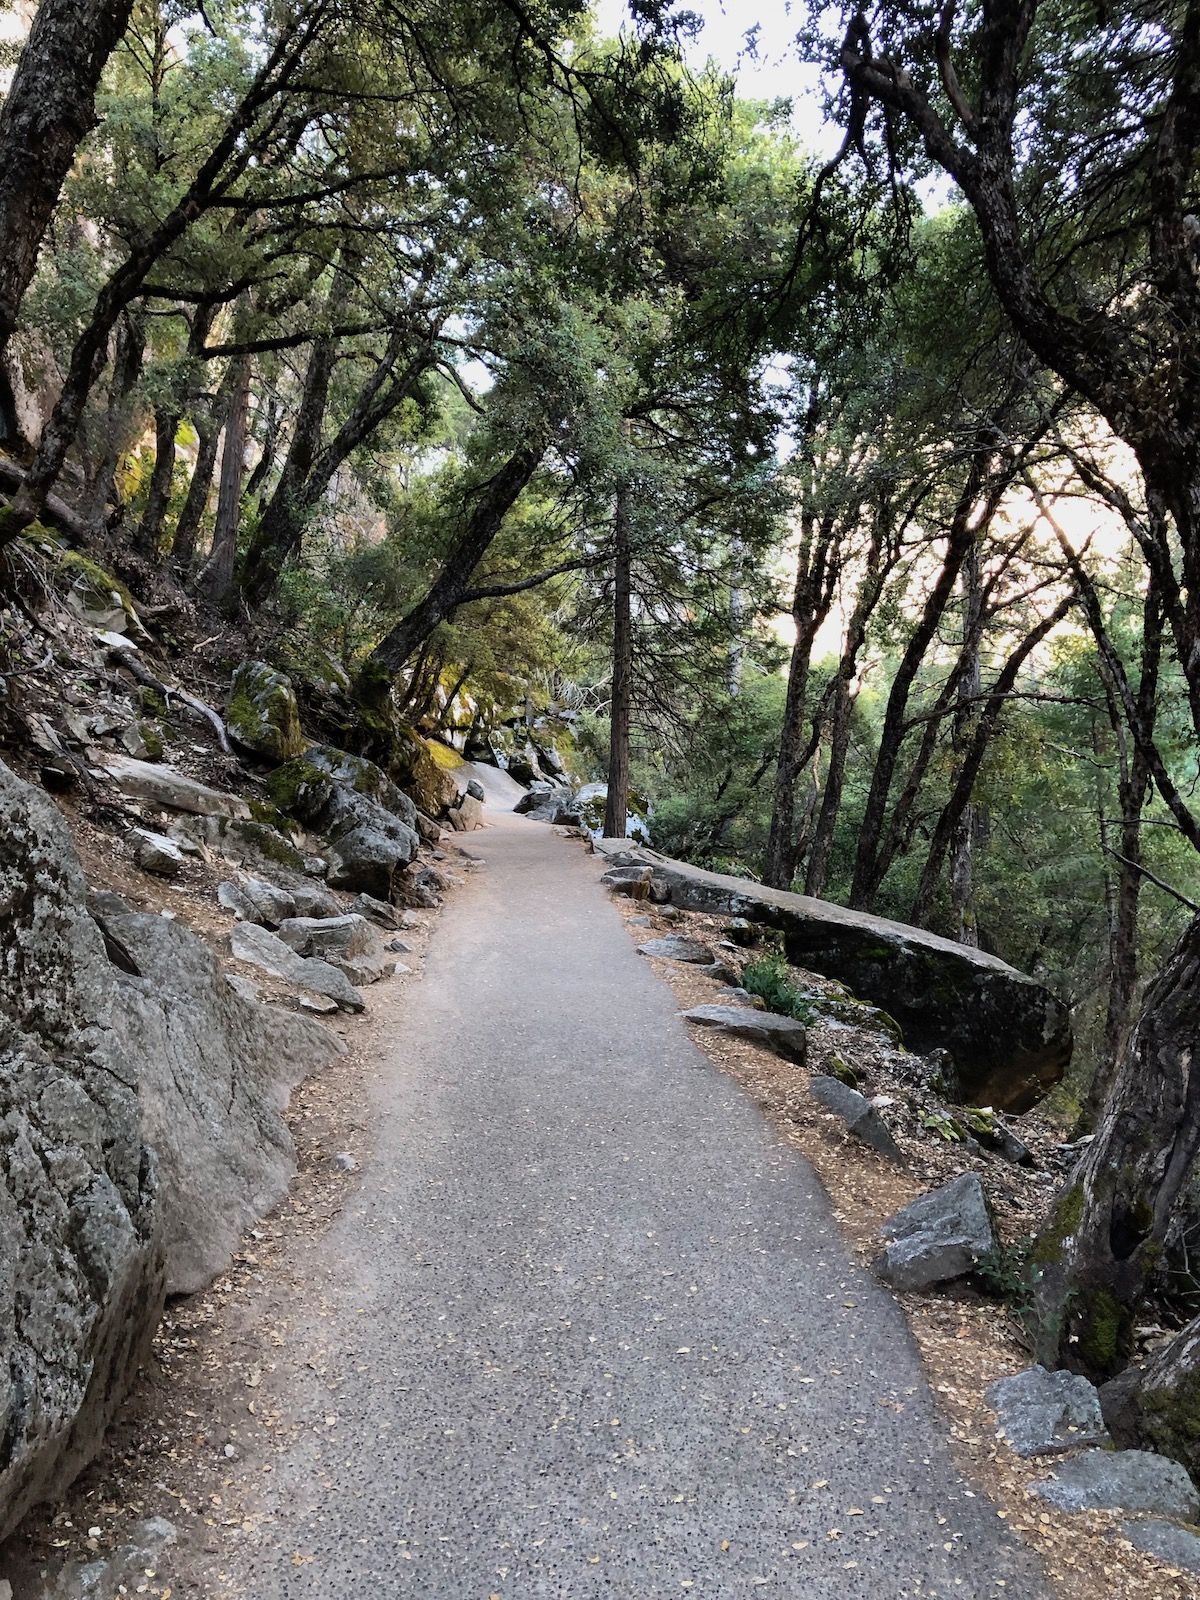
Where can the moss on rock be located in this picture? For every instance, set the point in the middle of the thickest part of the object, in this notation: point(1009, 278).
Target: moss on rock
point(262, 714)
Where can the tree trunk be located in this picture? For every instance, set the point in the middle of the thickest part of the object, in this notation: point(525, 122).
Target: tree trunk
point(280, 526)
point(779, 862)
point(817, 565)
point(216, 578)
point(870, 862)
point(232, 152)
point(167, 417)
point(958, 805)
point(616, 806)
point(306, 477)
point(119, 424)
point(493, 501)
point(49, 107)
point(1095, 1255)
point(870, 589)
point(208, 434)
point(962, 846)
point(1155, 1407)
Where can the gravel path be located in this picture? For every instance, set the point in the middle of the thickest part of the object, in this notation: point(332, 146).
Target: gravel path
point(586, 1327)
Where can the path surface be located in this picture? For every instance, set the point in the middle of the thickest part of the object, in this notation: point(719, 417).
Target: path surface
point(587, 1328)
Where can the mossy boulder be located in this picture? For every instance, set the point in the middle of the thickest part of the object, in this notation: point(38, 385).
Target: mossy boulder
point(303, 787)
point(262, 714)
point(366, 818)
point(96, 596)
point(418, 772)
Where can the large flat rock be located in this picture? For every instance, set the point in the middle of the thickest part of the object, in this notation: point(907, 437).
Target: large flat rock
point(1009, 1036)
point(1122, 1480)
point(163, 786)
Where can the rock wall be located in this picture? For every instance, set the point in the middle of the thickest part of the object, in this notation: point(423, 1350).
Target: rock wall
point(81, 1281)
point(1009, 1036)
point(215, 1071)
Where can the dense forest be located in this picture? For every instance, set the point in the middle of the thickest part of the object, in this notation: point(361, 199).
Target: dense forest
point(844, 512)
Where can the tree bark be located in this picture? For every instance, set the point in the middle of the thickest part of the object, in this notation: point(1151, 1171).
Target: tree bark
point(817, 567)
point(493, 501)
point(120, 423)
point(1154, 1407)
point(958, 806)
point(208, 436)
point(167, 417)
point(216, 577)
point(962, 845)
point(49, 107)
point(869, 591)
point(1094, 1257)
point(869, 867)
point(616, 805)
point(1133, 788)
point(309, 470)
point(230, 155)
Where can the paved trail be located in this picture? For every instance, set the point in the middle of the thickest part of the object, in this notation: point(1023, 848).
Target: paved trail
point(593, 1329)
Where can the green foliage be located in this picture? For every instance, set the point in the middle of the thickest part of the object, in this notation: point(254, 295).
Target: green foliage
point(770, 977)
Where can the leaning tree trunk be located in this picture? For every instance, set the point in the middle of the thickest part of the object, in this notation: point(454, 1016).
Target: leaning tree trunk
point(120, 422)
point(493, 501)
point(961, 875)
point(1157, 1407)
point(616, 805)
point(167, 418)
point(1093, 1259)
point(208, 434)
point(50, 106)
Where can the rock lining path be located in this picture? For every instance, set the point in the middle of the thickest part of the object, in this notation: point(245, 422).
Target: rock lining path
point(587, 1327)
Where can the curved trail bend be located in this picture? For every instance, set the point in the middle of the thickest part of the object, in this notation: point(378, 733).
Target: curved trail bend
point(587, 1327)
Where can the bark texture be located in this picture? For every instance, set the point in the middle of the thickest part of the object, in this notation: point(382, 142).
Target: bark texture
point(616, 806)
point(1106, 1234)
point(48, 110)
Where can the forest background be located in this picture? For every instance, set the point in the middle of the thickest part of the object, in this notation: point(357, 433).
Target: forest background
point(833, 478)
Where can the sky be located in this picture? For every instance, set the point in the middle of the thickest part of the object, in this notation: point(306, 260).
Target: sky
point(769, 72)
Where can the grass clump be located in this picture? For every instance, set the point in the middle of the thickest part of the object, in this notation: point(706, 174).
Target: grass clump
point(771, 979)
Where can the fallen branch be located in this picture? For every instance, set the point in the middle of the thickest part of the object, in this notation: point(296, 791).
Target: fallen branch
point(57, 511)
point(1145, 872)
point(129, 660)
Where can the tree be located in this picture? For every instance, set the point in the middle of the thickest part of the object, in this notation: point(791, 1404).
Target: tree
point(49, 108)
point(1086, 226)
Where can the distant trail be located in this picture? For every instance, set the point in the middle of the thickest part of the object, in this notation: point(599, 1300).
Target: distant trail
point(587, 1327)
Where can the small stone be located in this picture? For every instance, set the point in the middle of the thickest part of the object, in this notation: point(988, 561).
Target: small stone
point(741, 931)
point(1176, 1546)
point(1122, 1480)
point(399, 970)
point(156, 853)
point(398, 946)
point(943, 1235)
point(1044, 1413)
point(230, 1452)
point(345, 1162)
point(859, 1115)
point(320, 1003)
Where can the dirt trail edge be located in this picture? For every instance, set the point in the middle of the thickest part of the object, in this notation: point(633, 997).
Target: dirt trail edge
point(587, 1326)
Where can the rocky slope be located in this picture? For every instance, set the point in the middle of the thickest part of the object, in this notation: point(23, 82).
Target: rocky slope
point(158, 1008)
